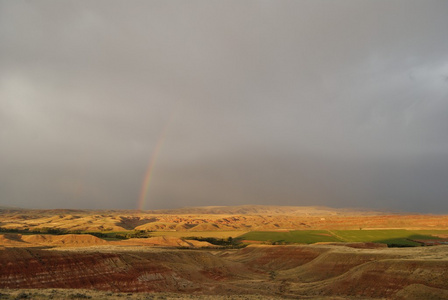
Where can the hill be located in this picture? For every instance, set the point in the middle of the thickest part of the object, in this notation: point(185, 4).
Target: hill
point(214, 218)
point(299, 271)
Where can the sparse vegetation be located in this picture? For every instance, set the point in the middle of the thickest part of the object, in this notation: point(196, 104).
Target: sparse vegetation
point(44, 230)
point(215, 234)
point(121, 235)
point(227, 243)
point(79, 296)
point(23, 296)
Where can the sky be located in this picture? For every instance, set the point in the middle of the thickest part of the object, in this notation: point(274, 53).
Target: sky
point(165, 104)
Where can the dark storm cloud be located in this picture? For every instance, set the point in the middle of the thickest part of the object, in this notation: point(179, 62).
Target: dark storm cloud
point(340, 103)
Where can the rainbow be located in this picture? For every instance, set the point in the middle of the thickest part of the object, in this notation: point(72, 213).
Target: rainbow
point(152, 160)
point(148, 174)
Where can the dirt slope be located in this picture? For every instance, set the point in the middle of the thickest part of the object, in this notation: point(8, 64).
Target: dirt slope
point(67, 240)
point(420, 291)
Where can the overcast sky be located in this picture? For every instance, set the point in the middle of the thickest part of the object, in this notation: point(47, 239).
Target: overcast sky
point(336, 103)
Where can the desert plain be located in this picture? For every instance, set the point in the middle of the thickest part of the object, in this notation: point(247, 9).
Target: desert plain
point(241, 252)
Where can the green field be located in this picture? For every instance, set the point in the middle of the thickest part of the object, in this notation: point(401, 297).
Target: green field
point(391, 237)
point(296, 236)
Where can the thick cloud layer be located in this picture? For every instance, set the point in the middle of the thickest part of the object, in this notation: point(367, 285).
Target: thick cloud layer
point(339, 103)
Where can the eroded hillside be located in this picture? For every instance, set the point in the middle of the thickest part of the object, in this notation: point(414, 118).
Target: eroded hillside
point(314, 271)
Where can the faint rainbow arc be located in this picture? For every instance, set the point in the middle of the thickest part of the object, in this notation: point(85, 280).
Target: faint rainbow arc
point(152, 160)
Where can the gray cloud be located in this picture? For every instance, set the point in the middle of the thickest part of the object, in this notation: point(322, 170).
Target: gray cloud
point(338, 103)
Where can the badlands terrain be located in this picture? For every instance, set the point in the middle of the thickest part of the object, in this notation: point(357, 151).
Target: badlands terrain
point(246, 252)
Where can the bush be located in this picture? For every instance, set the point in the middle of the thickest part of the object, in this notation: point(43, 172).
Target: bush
point(228, 243)
point(79, 296)
point(23, 296)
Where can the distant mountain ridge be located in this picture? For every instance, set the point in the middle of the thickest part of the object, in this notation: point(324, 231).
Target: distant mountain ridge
point(225, 210)
point(268, 210)
point(5, 207)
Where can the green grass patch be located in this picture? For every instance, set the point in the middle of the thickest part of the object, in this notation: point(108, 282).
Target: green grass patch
point(391, 237)
point(291, 237)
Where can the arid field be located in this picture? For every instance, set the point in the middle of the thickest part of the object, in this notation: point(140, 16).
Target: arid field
point(246, 252)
